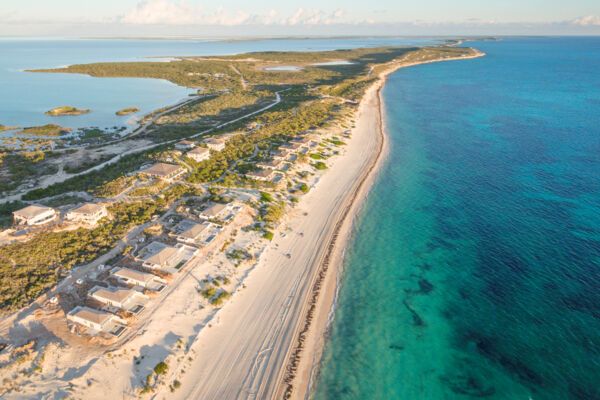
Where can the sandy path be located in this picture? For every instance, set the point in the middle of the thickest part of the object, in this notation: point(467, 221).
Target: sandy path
point(242, 356)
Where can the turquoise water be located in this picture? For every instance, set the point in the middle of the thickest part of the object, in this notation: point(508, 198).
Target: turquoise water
point(26, 96)
point(474, 270)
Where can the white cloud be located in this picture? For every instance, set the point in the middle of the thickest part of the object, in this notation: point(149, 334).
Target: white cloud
point(589, 20)
point(162, 12)
point(180, 12)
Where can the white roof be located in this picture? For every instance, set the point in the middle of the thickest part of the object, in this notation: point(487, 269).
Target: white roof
point(88, 209)
point(127, 273)
point(32, 211)
point(214, 210)
point(89, 314)
point(113, 294)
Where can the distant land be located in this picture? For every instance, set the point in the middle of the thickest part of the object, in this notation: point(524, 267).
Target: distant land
point(127, 111)
point(66, 110)
point(45, 130)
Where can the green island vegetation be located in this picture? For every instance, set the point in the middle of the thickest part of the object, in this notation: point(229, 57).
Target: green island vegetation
point(128, 110)
point(66, 110)
point(310, 98)
point(45, 130)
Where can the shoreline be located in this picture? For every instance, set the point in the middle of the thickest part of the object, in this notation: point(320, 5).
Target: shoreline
point(304, 357)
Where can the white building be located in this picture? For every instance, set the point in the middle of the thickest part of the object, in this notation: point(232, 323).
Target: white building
point(275, 164)
point(216, 211)
point(158, 255)
point(164, 171)
point(199, 154)
point(138, 278)
point(89, 213)
point(280, 155)
point(97, 320)
point(185, 145)
point(191, 232)
point(123, 298)
point(34, 215)
point(292, 147)
point(262, 175)
point(215, 144)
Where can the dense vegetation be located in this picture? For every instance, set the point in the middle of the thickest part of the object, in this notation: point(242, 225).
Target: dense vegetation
point(221, 105)
point(29, 268)
point(45, 130)
point(66, 110)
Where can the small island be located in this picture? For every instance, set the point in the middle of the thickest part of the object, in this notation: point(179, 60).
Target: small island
point(127, 111)
point(8, 128)
point(66, 110)
point(45, 130)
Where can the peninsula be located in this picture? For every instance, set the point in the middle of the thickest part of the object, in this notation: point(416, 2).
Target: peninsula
point(197, 257)
point(66, 110)
point(128, 110)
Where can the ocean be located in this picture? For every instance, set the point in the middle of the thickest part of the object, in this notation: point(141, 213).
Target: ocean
point(26, 96)
point(474, 267)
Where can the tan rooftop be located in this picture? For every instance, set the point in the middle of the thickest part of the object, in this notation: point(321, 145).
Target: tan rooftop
point(162, 169)
point(162, 256)
point(214, 210)
point(133, 274)
point(215, 141)
point(194, 231)
point(199, 150)
point(88, 209)
point(263, 173)
point(97, 317)
point(32, 211)
point(185, 142)
point(114, 294)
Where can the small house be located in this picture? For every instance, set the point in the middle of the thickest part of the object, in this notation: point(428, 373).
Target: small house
point(185, 145)
point(89, 213)
point(199, 154)
point(164, 171)
point(34, 215)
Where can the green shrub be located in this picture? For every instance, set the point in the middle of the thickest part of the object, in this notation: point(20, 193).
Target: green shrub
point(320, 165)
point(161, 368)
point(268, 235)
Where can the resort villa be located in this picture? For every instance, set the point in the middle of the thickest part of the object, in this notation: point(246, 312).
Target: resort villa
point(275, 164)
point(34, 215)
point(89, 213)
point(262, 175)
point(185, 145)
point(123, 298)
point(216, 211)
point(164, 171)
point(199, 154)
point(279, 155)
point(98, 320)
point(138, 278)
point(293, 147)
point(158, 255)
point(193, 233)
point(215, 144)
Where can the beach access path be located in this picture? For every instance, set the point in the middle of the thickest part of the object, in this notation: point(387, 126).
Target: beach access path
point(244, 352)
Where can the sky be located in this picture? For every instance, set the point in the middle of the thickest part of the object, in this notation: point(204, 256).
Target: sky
point(241, 18)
